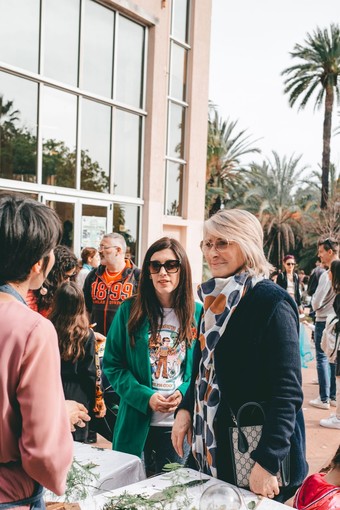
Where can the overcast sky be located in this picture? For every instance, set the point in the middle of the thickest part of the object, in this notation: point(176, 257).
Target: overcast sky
point(250, 45)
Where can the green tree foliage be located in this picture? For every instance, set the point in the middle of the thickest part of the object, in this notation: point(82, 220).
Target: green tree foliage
point(317, 74)
point(18, 156)
point(225, 182)
point(270, 197)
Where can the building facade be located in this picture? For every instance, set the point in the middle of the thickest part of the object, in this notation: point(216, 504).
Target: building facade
point(103, 116)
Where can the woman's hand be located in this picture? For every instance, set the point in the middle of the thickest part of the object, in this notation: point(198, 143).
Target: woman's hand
point(182, 427)
point(263, 483)
point(77, 413)
point(175, 399)
point(99, 337)
point(159, 403)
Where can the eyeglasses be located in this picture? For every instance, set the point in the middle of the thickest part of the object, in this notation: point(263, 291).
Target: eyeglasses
point(220, 245)
point(290, 263)
point(102, 247)
point(70, 276)
point(170, 266)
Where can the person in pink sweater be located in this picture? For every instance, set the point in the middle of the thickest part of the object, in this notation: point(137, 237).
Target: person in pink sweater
point(36, 447)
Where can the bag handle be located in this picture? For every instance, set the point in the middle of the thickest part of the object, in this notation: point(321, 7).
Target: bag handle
point(242, 442)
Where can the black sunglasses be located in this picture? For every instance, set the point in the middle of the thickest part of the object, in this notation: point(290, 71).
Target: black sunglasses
point(170, 266)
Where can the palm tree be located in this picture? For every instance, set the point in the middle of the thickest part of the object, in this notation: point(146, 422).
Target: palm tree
point(318, 71)
point(271, 197)
point(225, 149)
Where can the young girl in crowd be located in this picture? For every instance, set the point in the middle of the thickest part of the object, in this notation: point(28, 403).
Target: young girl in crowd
point(77, 348)
point(321, 491)
point(89, 260)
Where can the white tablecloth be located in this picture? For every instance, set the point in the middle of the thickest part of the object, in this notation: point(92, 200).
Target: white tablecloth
point(114, 469)
point(156, 484)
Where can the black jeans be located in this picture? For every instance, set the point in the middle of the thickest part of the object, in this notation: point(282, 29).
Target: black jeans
point(158, 450)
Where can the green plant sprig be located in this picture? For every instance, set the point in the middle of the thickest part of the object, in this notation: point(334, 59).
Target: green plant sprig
point(80, 479)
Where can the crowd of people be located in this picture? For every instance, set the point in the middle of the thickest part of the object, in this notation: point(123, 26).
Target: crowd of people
point(131, 354)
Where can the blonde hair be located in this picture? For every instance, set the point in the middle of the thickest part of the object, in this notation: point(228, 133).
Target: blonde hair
point(245, 229)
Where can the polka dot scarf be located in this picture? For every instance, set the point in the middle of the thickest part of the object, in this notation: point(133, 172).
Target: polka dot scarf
point(220, 297)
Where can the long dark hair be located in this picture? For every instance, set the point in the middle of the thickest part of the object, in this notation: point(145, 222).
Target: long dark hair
point(335, 270)
point(146, 304)
point(334, 464)
point(70, 321)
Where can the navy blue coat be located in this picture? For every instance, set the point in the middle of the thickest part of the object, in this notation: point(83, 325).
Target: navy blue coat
point(258, 359)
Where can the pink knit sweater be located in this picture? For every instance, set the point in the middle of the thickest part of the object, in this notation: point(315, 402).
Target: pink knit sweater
point(35, 439)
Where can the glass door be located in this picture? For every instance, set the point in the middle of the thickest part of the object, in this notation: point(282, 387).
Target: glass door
point(94, 224)
point(84, 221)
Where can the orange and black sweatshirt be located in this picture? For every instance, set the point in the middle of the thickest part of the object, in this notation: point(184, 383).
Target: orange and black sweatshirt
point(103, 297)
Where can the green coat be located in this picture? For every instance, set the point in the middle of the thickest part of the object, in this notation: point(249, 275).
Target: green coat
point(128, 371)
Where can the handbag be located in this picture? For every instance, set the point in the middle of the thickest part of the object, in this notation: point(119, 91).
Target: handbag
point(330, 338)
point(243, 441)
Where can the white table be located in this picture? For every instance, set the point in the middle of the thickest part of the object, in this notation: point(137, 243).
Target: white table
point(111, 469)
point(191, 495)
point(114, 469)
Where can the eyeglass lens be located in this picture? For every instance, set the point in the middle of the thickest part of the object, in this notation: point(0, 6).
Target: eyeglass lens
point(219, 245)
point(101, 247)
point(170, 266)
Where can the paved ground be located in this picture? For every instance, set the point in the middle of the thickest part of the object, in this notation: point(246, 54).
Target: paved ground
point(321, 442)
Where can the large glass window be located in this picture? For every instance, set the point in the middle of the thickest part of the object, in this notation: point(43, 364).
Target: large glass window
point(180, 20)
point(19, 33)
point(95, 146)
point(174, 178)
point(176, 131)
point(129, 72)
point(178, 70)
point(18, 128)
point(73, 116)
point(127, 154)
point(61, 40)
point(97, 48)
point(58, 128)
point(126, 222)
point(177, 107)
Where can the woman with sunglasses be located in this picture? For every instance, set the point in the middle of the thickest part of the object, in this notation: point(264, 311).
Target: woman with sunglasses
point(288, 279)
point(148, 354)
point(248, 352)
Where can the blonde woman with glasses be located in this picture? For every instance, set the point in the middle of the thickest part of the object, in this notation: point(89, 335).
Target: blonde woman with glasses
point(248, 352)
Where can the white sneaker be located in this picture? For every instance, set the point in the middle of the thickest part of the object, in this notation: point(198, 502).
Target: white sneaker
point(331, 423)
point(333, 403)
point(317, 402)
